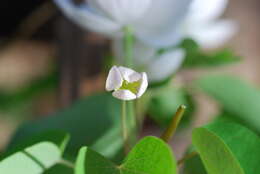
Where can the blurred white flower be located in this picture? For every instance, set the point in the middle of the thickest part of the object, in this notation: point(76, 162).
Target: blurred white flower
point(202, 23)
point(125, 83)
point(158, 66)
point(153, 21)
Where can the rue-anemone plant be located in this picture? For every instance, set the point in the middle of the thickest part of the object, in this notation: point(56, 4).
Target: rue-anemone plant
point(94, 124)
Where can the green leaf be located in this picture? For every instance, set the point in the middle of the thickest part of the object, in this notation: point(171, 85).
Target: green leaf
point(227, 148)
point(32, 160)
point(91, 162)
point(165, 102)
point(60, 139)
point(151, 155)
point(88, 121)
point(237, 98)
point(194, 165)
point(59, 169)
point(195, 57)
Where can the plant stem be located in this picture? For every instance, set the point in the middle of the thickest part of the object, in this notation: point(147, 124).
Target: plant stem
point(128, 46)
point(170, 131)
point(127, 107)
point(124, 127)
point(186, 157)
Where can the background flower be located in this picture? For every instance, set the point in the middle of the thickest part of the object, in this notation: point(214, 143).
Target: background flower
point(158, 66)
point(202, 23)
point(154, 22)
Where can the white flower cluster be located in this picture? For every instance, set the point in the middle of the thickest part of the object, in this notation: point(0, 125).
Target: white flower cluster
point(155, 24)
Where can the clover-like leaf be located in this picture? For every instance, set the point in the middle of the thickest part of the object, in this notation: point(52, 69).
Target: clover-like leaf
point(35, 155)
point(60, 139)
point(59, 169)
point(92, 120)
point(227, 148)
point(32, 160)
point(150, 156)
point(194, 165)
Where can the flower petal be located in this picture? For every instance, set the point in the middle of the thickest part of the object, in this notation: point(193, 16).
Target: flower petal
point(159, 25)
point(143, 86)
point(213, 35)
point(206, 10)
point(165, 65)
point(129, 74)
point(142, 53)
point(87, 18)
point(124, 95)
point(122, 11)
point(114, 79)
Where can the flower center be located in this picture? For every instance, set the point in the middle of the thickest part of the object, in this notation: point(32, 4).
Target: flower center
point(133, 86)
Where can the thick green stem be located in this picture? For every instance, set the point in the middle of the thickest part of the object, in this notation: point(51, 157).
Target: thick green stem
point(170, 131)
point(128, 47)
point(124, 127)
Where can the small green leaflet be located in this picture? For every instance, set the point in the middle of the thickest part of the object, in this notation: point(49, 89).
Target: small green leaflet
point(91, 121)
point(150, 156)
point(227, 148)
point(32, 160)
point(36, 155)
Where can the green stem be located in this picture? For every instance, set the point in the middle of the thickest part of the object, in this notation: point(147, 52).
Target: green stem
point(170, 131)
point(124, 127)
point(128, 46)
point(127, 107)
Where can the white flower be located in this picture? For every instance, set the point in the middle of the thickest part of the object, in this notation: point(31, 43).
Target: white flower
point(125, 83)
point(158, 66)
point(202, 23)
point(153, 21)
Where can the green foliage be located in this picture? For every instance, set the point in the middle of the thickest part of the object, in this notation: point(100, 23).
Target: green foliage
point(93, 121)
point(195, 57)
point(194, 166)
point(165, 102)
point(33, 157)
point(239, 100)
point(60, 139)
point(227, 148)
point(151, 155)
point(59, 169)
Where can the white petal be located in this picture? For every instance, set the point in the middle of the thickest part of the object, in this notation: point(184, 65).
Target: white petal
point(207, 10)
point(159, 25)
point(142, 53)
point(114, 79)
point(122, 11)
point(213, 35)
point(165, 65)
point(143, 86)
point(87, 18)
point(124, 95)
point(129, 74)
